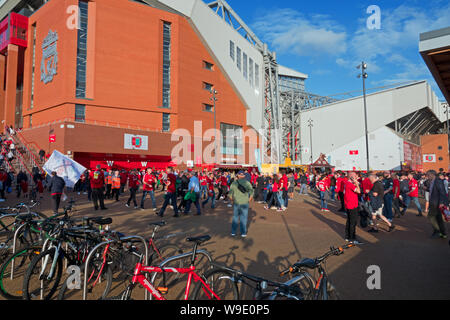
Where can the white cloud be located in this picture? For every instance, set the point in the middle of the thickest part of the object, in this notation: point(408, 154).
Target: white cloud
point(289, 31)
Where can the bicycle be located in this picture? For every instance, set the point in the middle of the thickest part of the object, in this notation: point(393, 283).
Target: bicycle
point(323, 289)
point(45, 270)
point(158, 292)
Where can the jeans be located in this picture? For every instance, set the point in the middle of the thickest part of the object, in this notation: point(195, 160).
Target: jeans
point(240, 213)
point(387, 211)
point(265, 195)
point(97, 196)
point(408, 200)
point(132, 196)
point(332, 189)
point(196, 202)
point(285, 198)
point(280, 199)
point(323, 202)
point(304, 189)
point(211, 196)
point(204, 191)
point(170, 196)
point(56, 202)
point(152, 196)
point(396, 206)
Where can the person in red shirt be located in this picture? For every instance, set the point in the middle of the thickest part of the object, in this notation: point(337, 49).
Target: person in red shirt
point(133, 186)
point(3, 178)
point(340, 182)
point(284, 191)
point(351, 190)
point(412, 195)
point(203, 185)
point(148, 183)
point(211, 194)
point(396, 192)
point(366, 187)
point(323, 187)
point(171, 194)
point(97, 179)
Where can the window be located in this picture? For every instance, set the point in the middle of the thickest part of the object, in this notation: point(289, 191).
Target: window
point(80, 91)
point(166, 122)
point(208, 107)
point(232, 50)
point(208, 65)
point(244, 65)
point(238, 58)
point(232, 139)
point(256, 75)
point(33, 69)
point(80, 113)
point(250, 72)
point(440, 148)
point(166, 64)
point(441, 159)
point(207, 86)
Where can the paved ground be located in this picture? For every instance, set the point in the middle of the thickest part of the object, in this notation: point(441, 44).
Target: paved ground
point(413, 266)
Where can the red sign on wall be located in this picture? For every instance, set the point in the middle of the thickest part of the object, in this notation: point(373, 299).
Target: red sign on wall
point(354, 152)
point(52, 138)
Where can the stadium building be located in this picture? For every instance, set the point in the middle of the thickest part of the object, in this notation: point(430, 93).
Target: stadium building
point(123, 82)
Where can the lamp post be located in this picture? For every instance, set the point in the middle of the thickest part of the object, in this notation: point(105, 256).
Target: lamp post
point(310, 125)
point(448, 129)
point(214, 99)
point(363, 75)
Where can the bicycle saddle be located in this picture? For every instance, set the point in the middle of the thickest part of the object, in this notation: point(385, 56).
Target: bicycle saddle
point(199, 239)
point(100, 220)
point(159, 223)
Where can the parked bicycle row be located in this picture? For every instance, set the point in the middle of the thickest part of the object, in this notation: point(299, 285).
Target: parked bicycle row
point(66, 257)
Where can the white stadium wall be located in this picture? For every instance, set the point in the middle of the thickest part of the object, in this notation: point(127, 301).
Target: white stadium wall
point(339, 124)
point(382, 155)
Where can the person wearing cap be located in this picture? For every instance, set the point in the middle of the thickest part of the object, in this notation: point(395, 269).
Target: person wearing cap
point(241, 192)
point(97, 181)
point(56, 188)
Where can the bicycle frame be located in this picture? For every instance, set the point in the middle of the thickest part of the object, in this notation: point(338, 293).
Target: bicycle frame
point(321, 285)
point(139, 277)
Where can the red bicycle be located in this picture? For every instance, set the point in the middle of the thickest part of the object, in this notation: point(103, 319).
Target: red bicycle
point(158, 292)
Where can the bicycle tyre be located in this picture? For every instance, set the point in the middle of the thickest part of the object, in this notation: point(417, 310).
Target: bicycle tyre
point(64, 292)
point(221, 282)
point(22, 256)
point(34, 268)
point(166, 279)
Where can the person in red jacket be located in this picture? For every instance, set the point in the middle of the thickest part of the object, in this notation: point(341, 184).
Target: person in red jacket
point(133, 186)
point(97, 179)
point(351, 189)
point(396, 191)
point(412, 195)
point(340, 182)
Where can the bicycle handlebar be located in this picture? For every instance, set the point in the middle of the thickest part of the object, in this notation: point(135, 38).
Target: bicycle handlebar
point(333, 252)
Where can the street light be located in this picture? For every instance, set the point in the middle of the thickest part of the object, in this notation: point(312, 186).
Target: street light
point(214, 99)
point(310, 125)
point(448, 129)
point(363, 75)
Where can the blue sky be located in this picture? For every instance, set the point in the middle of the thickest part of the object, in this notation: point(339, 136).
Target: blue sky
point(327, 39)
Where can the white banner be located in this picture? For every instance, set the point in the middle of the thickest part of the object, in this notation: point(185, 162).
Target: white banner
point(429, 158)
point(65, 167)
point(135, 142)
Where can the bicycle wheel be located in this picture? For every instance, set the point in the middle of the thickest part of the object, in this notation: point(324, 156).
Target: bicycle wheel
point(332, 292)
point(37, 282)
point(12, 289)
point(221, 282)
point(97, 287)
point(167, 279)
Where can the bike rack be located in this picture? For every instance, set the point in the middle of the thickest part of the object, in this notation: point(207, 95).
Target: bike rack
point(86, 265)
point(181, 256)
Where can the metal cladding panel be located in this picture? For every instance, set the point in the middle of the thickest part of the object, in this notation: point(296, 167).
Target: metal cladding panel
point(217, 34)
point(383, 156)
point(337, 124)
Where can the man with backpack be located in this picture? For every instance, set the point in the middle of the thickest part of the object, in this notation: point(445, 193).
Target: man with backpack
point(241, 192)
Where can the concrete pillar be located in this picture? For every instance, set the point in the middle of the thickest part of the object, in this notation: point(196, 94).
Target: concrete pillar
point(2, 90)
point(11, 85)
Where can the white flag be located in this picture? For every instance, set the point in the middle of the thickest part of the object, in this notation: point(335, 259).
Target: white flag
point(429, 158)
point(65, 167)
